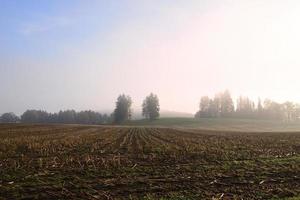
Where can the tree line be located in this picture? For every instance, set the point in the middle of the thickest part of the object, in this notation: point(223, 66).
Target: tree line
point(222, 105)
point(122, 113)
point(64, 117)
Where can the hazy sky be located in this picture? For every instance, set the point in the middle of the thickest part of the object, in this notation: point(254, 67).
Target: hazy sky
point(82, 54)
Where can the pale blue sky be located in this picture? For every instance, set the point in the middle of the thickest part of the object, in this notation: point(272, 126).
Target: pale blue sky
point(81, 54)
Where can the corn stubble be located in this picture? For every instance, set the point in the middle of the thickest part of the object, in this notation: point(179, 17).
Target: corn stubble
point(103, 162)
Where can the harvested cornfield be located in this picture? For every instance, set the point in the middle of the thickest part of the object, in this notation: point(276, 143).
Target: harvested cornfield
point(105, 162)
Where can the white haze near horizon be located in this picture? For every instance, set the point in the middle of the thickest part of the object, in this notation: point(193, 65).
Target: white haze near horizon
point(180, 50)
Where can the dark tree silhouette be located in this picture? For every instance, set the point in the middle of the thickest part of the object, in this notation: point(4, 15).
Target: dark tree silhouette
point(122, 111)
point(65, 117)
point(150, 107)
point(9, 118)
point(35, 116)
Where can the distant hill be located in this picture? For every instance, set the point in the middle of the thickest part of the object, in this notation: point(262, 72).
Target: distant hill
point(137, 114)
point(167, 113)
